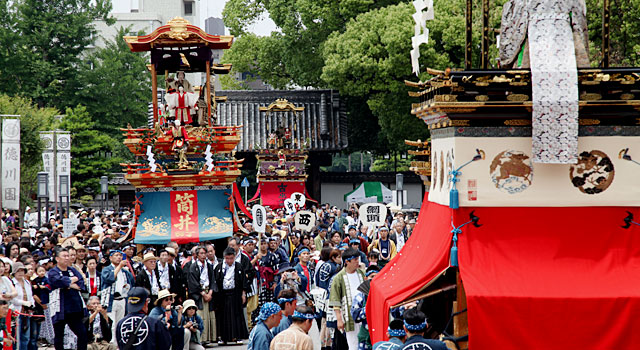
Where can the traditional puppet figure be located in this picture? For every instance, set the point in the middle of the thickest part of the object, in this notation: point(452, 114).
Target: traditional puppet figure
point(282, 159)
point(272, 141)
point(542, 18)
point(179, 80)
point(162, 121)
point(551, 37)
point(287, 136)
point(180, 143)
point(182, 104)
point(202, 104)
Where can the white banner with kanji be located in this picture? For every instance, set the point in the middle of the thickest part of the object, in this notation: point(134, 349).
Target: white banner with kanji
point(11, 164)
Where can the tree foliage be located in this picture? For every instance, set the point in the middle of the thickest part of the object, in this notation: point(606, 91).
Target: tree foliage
point(42, 46)
point(116, 86)
point(91, 151)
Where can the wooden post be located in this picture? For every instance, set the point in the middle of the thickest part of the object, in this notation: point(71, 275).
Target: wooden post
point(154, 89)
point(485, 34)
point(460, 322)
point(469, 25)
point(208, 91)
point(606, 16)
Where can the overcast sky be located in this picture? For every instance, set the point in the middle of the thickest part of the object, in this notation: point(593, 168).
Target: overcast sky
point(213, 8)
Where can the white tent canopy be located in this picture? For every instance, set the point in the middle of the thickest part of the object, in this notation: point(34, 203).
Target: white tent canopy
point(370, 192)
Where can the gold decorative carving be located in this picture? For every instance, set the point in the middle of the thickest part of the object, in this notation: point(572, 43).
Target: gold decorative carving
point(627, 97)
point(589, 122)
point(517, 122)
point(446, 98)
point(281, 105)
point(460, 122)
point(590, 97)
point(178, 29)
point(482, 98)
point(518, 97)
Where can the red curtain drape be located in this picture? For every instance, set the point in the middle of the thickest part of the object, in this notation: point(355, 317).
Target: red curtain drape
point(424, 257)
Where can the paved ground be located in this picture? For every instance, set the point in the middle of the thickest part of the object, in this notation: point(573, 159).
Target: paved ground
point(227, 347)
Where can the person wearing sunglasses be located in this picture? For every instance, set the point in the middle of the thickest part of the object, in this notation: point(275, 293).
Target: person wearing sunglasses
point(172, 318)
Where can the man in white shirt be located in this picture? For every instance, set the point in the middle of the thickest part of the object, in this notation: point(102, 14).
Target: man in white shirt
point(201, 285)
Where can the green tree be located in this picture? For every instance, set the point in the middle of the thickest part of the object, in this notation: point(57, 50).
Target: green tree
point(42, 46)
point(624, 42)
point(369, 60)
point(91, 151)
point(32, 121)
point(304, 27)
point(395, 163)
point(116, 86)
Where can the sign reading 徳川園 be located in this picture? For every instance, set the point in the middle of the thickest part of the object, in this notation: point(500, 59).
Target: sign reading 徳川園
point(183, 216)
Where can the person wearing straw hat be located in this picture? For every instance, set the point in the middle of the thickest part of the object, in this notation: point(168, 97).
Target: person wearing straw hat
point(115, 282)
point(296, 337)
point(172, 318)
point(148, 333)
point(261, 336)
point(149, 277)
point(192, 322)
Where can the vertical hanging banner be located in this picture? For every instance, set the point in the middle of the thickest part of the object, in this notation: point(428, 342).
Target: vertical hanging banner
point(63, 157)
point(48, 159)
point(11, 164)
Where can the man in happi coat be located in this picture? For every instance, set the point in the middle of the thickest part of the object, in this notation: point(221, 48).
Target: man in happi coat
point(343, 289)
point(261, 336)
point(66, 305)
point(116, 280)
point(296, 337)
point(202, 286)
point(232, 285)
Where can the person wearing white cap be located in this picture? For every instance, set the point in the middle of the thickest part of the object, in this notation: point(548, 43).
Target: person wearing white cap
point(192, 322)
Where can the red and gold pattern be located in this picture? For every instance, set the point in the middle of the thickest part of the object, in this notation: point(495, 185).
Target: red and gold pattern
point(184, 215)
point(223, 139)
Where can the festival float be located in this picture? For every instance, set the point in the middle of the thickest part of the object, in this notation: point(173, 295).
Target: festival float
point(282, 164)
point(528, 236)
point(183, 190)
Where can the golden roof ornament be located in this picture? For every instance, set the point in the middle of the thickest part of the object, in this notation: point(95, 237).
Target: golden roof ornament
point(178, 28)
point(281, 105)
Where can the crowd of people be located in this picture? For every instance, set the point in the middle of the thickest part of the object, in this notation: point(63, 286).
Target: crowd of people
point(282, 289)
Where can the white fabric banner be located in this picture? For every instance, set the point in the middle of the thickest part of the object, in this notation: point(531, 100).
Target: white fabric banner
point(554, 80)
point(48, 159)
point(11, 164)
point(63, 159)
